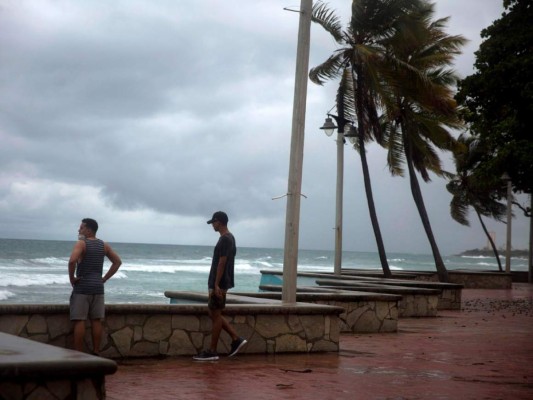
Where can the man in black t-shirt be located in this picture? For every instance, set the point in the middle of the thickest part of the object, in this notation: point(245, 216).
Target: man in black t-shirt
point(221, 278)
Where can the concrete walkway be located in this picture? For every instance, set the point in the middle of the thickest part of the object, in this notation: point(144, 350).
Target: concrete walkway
point(484, 351)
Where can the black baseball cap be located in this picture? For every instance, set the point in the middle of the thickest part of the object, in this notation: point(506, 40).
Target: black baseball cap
point(219, 216)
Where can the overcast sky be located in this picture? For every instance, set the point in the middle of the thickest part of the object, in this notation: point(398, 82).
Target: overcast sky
point(149, 115)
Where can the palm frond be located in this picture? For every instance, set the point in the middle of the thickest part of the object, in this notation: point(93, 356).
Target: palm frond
point(346, 94)
point(459, 210)
point(392, 140)
point(326, 18)
point(329, 69)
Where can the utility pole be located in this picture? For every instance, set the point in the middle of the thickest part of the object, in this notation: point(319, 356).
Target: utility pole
point(292, 223)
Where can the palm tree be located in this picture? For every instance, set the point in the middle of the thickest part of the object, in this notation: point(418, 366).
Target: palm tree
point(363, 87)
point(420, 53)
point(346, 99)
point(470, 191)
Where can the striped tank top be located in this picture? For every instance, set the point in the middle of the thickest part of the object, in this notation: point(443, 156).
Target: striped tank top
point(89, 270)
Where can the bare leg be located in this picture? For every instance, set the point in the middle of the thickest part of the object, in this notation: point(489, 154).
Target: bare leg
point(228, 328)
point(79, 334)
point(217, 325)
point(96, 325)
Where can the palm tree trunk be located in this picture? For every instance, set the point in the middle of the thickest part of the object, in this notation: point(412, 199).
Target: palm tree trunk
point(372, 210)
point(368, 186)
point(495, 251)
point(419, 201)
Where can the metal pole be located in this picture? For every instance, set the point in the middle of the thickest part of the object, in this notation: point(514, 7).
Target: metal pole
point(292, 223)
point(338, 217)
point(509, 218)
point(530, 258)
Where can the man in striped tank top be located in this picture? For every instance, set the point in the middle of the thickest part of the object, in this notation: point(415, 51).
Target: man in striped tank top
point(85, 269)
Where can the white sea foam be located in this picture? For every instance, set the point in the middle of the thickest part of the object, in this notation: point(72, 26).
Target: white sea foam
point(167, 269)
point(395, 268)
point(201, 268)
point(263, 264)
point(119, 275)
point(475, 257)
point(245, 267)
point(30, 279)
point(52, 261)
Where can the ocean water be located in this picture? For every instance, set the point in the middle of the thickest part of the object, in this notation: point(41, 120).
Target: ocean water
point(36, 271)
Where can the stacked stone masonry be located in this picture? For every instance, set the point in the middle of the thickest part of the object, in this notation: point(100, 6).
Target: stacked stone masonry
point(153, 330)
point(363, 312)
point(368, 316)
point(58, 389)
point(33, 371)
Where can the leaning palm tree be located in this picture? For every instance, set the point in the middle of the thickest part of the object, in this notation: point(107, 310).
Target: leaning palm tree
point(346, 108)
point(417, 127)
point(363, 87)
point(470, 191)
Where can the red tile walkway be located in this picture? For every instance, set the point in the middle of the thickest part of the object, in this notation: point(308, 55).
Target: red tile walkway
point(484, 351)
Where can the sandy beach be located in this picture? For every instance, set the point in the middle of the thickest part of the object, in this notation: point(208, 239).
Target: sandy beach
point(483, 351)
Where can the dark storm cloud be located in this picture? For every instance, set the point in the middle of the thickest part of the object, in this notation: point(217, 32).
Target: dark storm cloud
point(153, 114)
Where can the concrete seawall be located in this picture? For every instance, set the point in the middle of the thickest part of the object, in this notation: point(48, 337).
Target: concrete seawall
point(137, 330)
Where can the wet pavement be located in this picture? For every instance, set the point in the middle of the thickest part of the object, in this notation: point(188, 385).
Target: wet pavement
point(484, 351)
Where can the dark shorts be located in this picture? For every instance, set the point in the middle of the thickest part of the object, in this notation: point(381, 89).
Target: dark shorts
point(83, 306)
point(215, 302)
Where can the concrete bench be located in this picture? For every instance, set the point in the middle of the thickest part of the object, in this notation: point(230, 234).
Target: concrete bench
point(363, 312)
point(183, 297)
point(415, 302)
point(33, 370)
point(468, 278)
point(449, 297)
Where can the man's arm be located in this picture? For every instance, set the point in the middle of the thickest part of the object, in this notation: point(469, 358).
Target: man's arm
point(115, 260)
point(220, 272)
point(76, 255)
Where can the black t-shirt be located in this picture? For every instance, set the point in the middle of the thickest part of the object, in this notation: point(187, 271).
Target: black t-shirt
point(225, 247)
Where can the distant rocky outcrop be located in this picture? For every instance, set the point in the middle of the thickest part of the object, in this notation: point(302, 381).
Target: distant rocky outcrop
point(490, 253)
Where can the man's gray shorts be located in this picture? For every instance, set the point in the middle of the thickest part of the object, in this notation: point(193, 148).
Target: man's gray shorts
point(86, 305)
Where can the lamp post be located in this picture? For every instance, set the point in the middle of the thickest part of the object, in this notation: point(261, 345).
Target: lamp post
point(506, 178)
point(329, 127)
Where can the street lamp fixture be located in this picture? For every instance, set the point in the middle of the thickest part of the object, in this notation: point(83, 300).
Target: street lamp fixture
point(328, 128)
point(351, 135)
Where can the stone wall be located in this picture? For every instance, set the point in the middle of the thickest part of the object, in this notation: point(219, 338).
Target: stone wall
point(419, 305)
point(88, 388)
point(30, 370)
point(363, 312)
point(450, 299)
point(173, 330)
point(415, 302)
point(470, 279)
point(449, 294)
point(367, 316)
point(481, 280)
